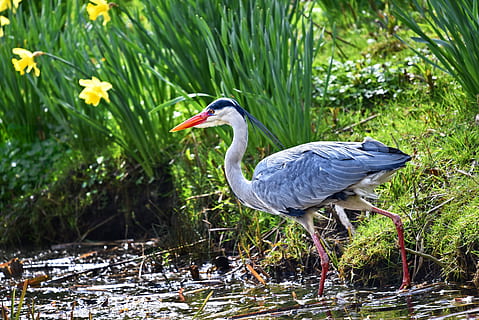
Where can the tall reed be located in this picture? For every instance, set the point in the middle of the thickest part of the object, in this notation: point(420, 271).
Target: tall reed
point(450, 29)
point(257, 51)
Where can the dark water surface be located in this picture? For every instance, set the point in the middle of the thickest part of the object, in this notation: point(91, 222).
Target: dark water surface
point(122, 285)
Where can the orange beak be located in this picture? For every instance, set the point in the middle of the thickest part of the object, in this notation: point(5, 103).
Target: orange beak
point(191, 122)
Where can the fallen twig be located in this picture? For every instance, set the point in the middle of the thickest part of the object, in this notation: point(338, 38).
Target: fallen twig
point(67, 245)
point(33, 282)
point(255, 274)
point(469, 175)
point(204, 195)
point(439, 206)
point(358, 123)
point(221, 229)
point(427, 256)
point(154, 254)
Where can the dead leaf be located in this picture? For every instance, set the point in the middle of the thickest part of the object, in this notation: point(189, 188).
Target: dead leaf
point(33, 282)
point(195, 272)
point(255, 274)
point(12, 268)
point(180, 293)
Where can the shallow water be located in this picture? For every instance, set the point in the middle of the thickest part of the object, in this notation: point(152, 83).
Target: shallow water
point(153, 289)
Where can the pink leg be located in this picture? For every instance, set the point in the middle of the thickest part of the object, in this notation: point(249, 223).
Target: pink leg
point(406, 280)
point(324, 261)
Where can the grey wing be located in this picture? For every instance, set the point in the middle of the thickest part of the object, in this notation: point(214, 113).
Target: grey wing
point(307, 175)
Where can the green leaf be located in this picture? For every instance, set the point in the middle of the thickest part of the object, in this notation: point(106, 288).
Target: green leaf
point(176, 100)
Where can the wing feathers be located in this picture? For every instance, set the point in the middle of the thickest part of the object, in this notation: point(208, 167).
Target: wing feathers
point(305, 176)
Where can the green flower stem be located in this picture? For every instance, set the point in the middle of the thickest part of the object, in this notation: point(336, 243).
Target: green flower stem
point(68, 63)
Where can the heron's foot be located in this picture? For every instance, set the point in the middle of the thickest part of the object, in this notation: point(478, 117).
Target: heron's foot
point(405, 285)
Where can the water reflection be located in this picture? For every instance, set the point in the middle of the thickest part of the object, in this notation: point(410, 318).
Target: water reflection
point(138, 291)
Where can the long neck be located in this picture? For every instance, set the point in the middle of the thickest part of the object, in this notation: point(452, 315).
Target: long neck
point(240, 186)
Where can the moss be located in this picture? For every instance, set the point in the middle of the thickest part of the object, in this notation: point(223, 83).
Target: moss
point(454, 237)
point(372, 258)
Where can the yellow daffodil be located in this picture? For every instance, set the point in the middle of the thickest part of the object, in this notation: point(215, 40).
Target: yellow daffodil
point(98, 8)
point(26, 61)
point(3, 22)
point(94, 90)
point(7, 4)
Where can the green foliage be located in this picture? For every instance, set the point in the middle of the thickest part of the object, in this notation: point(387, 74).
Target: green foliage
point(360, 83)
point(431, 194)
point(106, 199)
point(79, 49)
point(450, 30)
point(260, 52)
point(372, 254)
point(23, 116)
point(348, 12)
point(455, 239)
point(16, 315)
point(263, 54)
point(26, 167)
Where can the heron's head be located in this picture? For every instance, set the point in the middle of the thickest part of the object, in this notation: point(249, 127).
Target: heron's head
point(219, 112)
point(225, 111)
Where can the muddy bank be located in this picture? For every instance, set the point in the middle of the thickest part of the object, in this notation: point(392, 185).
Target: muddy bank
point(106, 200)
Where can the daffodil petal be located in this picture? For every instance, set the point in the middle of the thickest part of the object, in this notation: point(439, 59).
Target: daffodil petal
point(36, 70)
point(4, 21)
point(3, 5)
point(22, 52)
point(94, 90)
point(7, 4)
point(19, 66)
point(16, 3)
point(98, 8)
point(26, 61)
point(93, 11)
point(106, 86)
point(106, 18)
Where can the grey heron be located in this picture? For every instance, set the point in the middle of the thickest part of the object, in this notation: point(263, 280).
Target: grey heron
point(296, 182)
